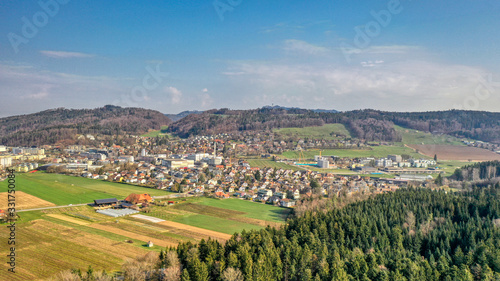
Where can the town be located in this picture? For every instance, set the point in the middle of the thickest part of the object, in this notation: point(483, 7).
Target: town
point(206, 165)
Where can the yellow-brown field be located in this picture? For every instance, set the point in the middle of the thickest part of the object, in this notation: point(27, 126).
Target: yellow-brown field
point(44, 248)
point(23, 201)
point(202, 231)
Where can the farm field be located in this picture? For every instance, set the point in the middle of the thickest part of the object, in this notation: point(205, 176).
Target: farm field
point(412, 136)
point(250, 209)
point(375, 151)
point(264, 163)
point(454, 152)
point(153, 134)
point(64, 190)
point(76, 236)
point(327, 132)
point(226, 216)
point(23, 201)
point(48, 248)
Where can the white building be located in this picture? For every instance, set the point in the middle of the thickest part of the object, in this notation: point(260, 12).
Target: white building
point(5, 162)
point(197, 157)
point(323, 163)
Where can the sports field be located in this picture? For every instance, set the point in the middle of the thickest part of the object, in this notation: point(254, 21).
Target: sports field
point(264, 163)
point(64, 190)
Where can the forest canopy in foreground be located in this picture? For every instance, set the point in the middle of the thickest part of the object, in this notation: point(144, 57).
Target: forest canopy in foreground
point(413, 234)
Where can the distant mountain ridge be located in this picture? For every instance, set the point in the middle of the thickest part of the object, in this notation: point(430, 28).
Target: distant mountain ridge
point(368, 124)
point(55, 125)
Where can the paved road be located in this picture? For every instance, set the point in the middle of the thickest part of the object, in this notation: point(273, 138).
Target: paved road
point(55, 207)
point(177, 195)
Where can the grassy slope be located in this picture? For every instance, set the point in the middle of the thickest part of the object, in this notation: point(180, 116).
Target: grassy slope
point(153, 134)
point(321, 132)
point(411, 136)
point(63, 190)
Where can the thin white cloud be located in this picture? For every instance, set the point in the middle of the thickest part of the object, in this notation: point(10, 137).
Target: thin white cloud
point(30, 89)
point(175, 94)
point(206, 100)
point(293, 45)
point(408, 85)
point(205, 90)
point(65, 55)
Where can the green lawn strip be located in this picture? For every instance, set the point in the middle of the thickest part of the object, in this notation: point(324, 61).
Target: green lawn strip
point(252, 209)
point(215, 224)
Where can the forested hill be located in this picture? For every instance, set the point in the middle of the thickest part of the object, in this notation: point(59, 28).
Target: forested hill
point(52, 126)
point(368, 124)
point(412, 234)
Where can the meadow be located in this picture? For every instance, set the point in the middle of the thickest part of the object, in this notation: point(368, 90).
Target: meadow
point(153, 134)
point(326, 132)
point(411, 136)
point(64, 190)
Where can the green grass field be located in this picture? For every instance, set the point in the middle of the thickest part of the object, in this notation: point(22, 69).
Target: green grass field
point(215, 224)
point(450, 166)
point(252, 209)
point(226, 216)
point(375, 151)
point(64, 190)
point(152, 134)
point(411, 136)
point(326, 132)
point(264, 163)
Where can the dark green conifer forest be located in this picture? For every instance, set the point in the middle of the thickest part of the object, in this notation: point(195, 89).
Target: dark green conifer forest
point(411, 234)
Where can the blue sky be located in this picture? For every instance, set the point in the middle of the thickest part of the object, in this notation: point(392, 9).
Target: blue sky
point(195, 55)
